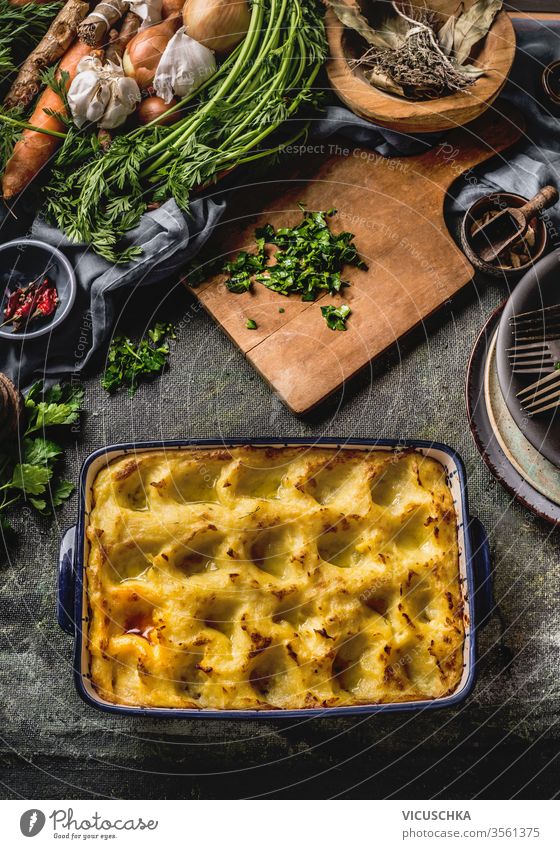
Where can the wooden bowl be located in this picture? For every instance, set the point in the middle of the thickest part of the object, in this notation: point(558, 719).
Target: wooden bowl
point(428, 116)
point(499, 201)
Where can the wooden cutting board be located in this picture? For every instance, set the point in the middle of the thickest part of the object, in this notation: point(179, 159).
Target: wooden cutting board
point(395, 209)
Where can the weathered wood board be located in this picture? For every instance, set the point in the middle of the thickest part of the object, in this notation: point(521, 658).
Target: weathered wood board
point(395, 209)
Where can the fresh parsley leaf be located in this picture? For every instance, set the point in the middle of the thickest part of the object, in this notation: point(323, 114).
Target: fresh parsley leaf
point(251, 324)
point(38, 452)
point(336, 316)
point(160, 331)
point(39, 504)
point(28, 464)
point(32, 480)
point(60, 491)
point(59, 406)
point(129, 362)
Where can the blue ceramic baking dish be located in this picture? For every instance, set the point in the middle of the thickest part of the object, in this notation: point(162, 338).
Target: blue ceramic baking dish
point(474, 567)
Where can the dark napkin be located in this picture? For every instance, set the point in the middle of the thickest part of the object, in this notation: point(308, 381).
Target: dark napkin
point(170, 239)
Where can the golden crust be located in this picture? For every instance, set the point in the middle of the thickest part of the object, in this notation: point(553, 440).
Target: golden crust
point(273, 578)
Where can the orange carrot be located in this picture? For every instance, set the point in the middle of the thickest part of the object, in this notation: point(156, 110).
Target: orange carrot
point(33, 150)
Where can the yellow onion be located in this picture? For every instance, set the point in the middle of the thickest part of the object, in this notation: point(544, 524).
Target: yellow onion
point(171, 7)
point(144, 51)
point(218, 24)
point(153, 107)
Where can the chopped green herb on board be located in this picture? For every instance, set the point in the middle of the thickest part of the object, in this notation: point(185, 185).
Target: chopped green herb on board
point(336, 316)
point(308, 261)
point(129, 362)
point(251, 324)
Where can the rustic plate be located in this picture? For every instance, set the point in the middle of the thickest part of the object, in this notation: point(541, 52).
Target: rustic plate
point(539, 287)
point(511, 459)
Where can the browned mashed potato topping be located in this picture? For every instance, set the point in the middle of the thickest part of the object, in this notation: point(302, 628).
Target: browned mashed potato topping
point(273, 578)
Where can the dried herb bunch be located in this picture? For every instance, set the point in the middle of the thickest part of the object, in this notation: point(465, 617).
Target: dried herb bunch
point(412, 54)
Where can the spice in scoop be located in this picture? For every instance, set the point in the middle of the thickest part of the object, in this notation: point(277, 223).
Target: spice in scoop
point(31, 302)
point(519, 252)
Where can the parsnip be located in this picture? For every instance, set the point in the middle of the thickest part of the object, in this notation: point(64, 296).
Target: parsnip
point(52, 46)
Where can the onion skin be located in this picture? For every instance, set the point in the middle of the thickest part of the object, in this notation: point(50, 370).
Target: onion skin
point(171, 7)
point(152, 107)
point(218, 24)
point(144, 51)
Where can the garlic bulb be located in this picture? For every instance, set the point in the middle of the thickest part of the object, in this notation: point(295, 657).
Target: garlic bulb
point(149, 11)
point(100, 93)
point(184, 66)
point(218, 24)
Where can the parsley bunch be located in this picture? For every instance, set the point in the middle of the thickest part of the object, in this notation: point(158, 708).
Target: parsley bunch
point(28, 465)
point(129, 362)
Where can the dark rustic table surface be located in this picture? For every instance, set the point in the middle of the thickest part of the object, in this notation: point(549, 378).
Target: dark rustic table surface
point(502, 741)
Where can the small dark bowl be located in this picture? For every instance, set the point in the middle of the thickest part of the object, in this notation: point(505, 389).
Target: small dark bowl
point(22, 261)
point(499, 201)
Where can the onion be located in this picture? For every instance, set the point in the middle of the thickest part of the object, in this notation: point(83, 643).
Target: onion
point(144, 51)
point(152, 107)
point(218, 24)
point(171, 7)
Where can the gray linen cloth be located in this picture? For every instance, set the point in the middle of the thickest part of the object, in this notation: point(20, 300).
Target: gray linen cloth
point(170, 239)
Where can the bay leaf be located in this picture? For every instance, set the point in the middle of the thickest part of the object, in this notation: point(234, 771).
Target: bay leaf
point(472, 26)
point(473, 72)
point(391, 32)
point(352, 18)
point(446, 35)
point(384, 83)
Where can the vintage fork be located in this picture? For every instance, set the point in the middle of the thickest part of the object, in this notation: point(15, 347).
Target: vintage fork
point(534, 357)
point(542, 395)
point(535, 325)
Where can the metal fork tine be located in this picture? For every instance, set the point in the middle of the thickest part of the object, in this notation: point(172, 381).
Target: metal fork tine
point(529, 370)
point(543, 362)
point(553, 405)
point(521, 338)
point(537, 402)
point(554, 308)
point(527, 345)
point(553, 318)
point(536, 365)
point(539, 353)
point(549, 379)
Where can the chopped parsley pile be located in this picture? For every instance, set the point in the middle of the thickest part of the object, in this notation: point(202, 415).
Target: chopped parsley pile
point(129, 362)
point(29, 463)
point(308, 261)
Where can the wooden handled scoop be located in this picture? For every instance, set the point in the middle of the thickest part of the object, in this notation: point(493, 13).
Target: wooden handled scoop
point(510, 224)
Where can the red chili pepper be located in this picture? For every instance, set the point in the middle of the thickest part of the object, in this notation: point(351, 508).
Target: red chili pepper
point(31, 302)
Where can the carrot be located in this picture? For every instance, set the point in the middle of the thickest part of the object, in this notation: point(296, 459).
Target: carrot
point(33, 150)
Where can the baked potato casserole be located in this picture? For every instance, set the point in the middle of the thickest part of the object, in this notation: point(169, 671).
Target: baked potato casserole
point(259, 578)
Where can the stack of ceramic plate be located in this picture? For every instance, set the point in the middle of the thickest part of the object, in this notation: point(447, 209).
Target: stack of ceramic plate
point(521, 451)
